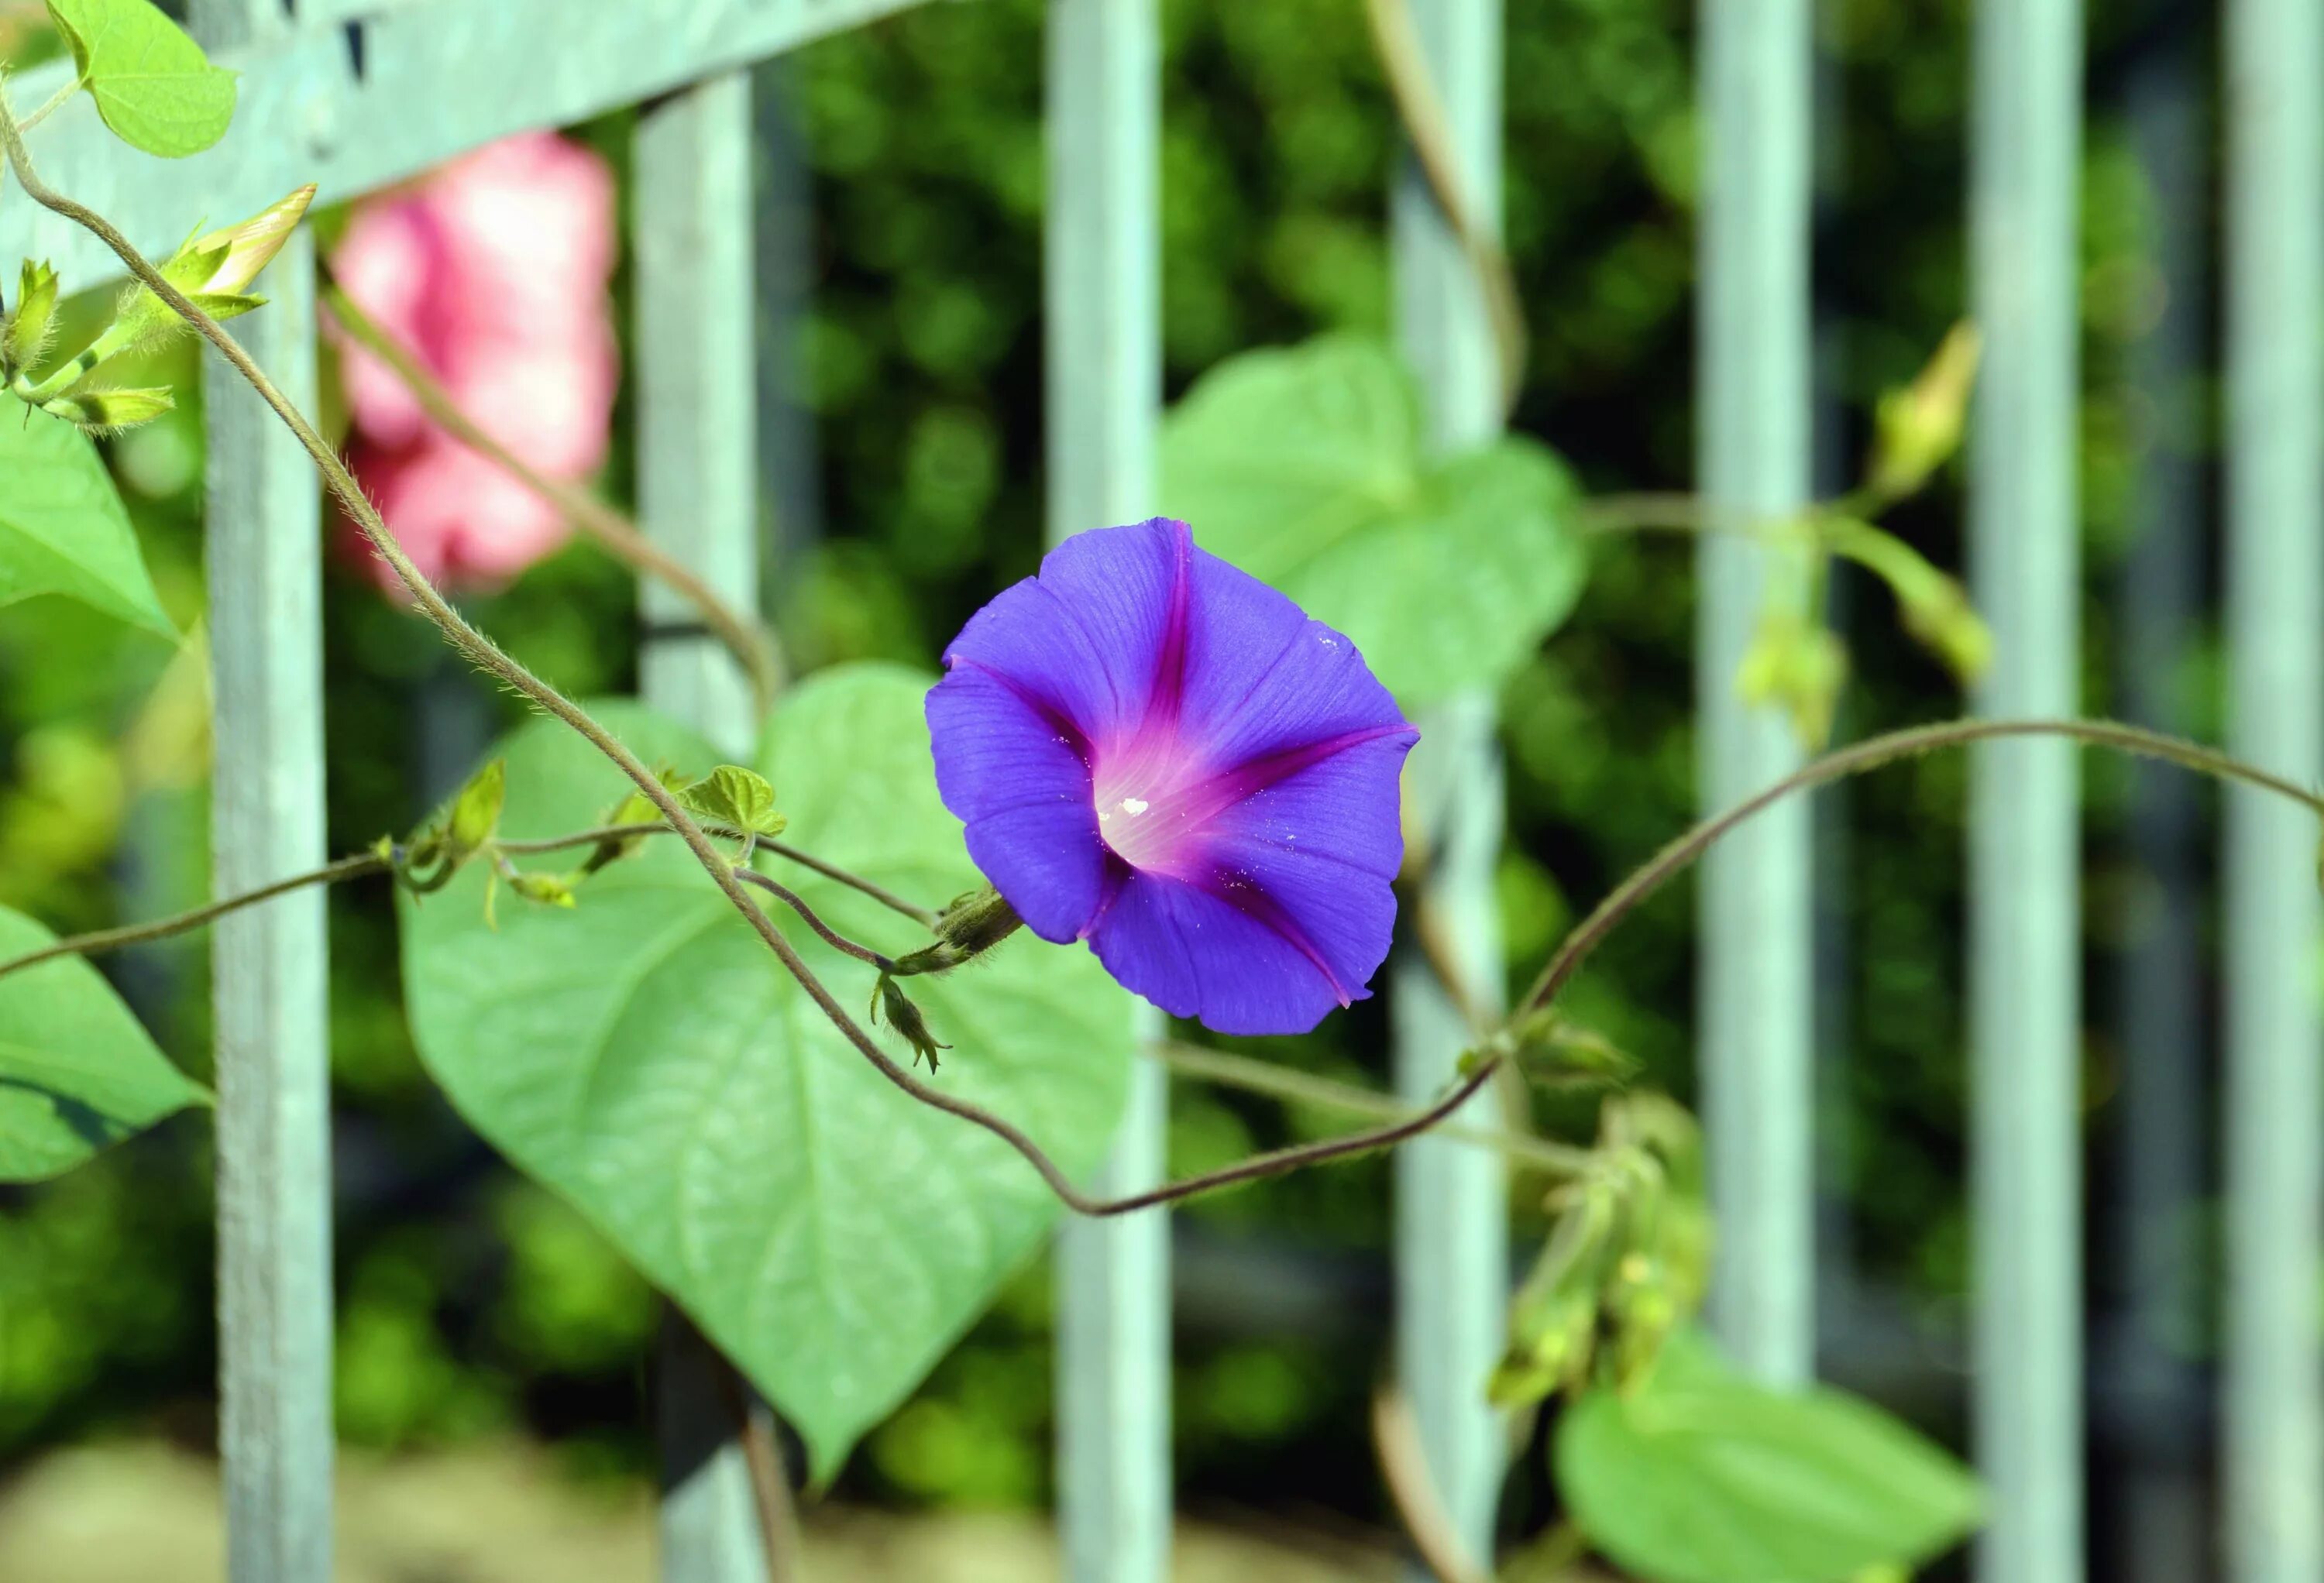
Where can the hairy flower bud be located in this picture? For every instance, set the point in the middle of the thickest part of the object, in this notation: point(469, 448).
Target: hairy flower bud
point(30, 322)
point(971, 924)
point(105, 412)
point(1917, 428)
point(906, 1019)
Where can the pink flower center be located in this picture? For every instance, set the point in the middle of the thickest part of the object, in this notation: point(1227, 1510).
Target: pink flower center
point(1152, 803)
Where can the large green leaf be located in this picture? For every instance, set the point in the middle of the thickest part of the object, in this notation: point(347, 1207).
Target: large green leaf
point(152, 83)
point(77, 1070)
point(1304, 467)
point(1700, 1477)
point(62, 527)
point(643, 1054)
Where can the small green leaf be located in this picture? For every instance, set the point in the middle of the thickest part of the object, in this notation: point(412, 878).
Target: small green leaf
point(732, 795)
point(646, 1057)
point(62, 527)
point(1701, 1477)
point(77, 1071)
point(1305, 468)
point(152, 85)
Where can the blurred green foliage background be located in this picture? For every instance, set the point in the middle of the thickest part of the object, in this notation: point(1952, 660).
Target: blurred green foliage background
point(474, 1303)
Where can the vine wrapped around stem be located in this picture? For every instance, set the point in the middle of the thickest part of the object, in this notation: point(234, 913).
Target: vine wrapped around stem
point(1576, 948)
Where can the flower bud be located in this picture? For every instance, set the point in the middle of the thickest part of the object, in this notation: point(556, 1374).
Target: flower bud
point(1799, 667)
point(103, 412)
point(906, 1019)
point(476, 811)
point(236, 253)
point(547, 889)
point(32, 322)
point(1917, 430)
point(215, 270)
point(973, 924)
point(1555, 1052)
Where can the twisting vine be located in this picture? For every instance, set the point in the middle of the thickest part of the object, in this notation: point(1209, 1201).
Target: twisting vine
point(735, 883)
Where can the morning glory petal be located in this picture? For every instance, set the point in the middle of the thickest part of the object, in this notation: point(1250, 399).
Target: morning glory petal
point(1156, 753)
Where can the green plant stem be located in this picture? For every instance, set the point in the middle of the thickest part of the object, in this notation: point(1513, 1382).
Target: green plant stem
point(1676, 859)
point(831, 936)
point(358, 865)
point(1278, 1082)
point(104, 940)
point(1567, 961)
point(491, 658)
point(54, 102)
point(747, 639)
point(1421, 109)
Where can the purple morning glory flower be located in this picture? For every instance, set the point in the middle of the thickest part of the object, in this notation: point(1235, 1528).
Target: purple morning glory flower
point(1163, 756)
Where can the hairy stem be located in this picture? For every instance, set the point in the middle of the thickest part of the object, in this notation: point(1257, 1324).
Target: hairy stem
point(1279, 1082)
point(1571, 953)
point(488, 657)
point(830, 937)
point(104, 940)
point(747, 639)
point(1421, 109)
point(52, 104)
point(358, 865)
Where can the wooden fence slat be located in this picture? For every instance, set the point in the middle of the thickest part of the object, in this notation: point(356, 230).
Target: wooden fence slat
point(1451, 1199)
point(698, 498)
point(1756, 1014)
point(270, 963)
point(2274, 1430)
point(2024, 854)
point(335, 106)
point(1104, 385)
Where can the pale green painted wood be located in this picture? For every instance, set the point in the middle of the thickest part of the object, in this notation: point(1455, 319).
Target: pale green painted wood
point(1755, 1020)
point(2025, 957)
point(1102, 296)
point(1451, 1199)
point(2274, 1438)
point(439, 77)
point(698, 498)
point(270, 963)
point(697, 372)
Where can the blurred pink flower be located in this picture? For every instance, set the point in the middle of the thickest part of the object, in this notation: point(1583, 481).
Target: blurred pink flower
point(493, 269)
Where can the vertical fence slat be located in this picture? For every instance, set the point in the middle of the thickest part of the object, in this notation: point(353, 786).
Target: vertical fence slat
point(1756, 1013)
point(1451, 1204)
point(1102, 302)
point(2025, 963)
point(2274, 1447)
point(1103, 308)
point(270, 963)
point(698, 498)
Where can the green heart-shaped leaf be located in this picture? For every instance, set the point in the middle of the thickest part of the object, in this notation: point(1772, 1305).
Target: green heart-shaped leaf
point(1701, 1477)
point(62, 527)
point(77, 1070)
point(732, 795)
point(1304, 467)
point(645, 1054)
point(152, 85)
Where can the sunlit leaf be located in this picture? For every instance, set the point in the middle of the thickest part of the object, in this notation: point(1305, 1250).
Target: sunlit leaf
point(1701, 1477)
point(62, 527)
point(645, 1055)
point(77, 1070)
point(152, 85)
point(1305, 468)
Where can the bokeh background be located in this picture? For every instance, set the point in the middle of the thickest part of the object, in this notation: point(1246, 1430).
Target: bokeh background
point(481, 1321)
